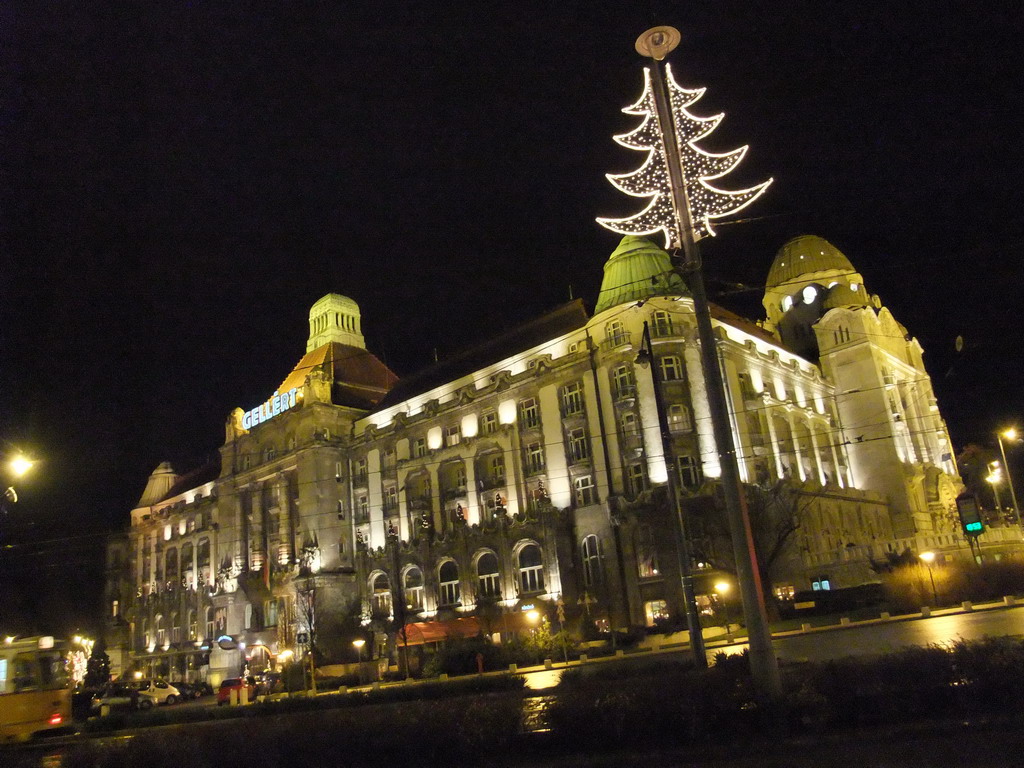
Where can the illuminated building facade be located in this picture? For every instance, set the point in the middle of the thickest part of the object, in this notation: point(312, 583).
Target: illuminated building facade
point(529, 472)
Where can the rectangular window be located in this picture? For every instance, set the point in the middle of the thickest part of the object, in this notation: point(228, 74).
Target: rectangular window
point(585, 491)
point(572, 399)
point(636, 479)
point(623, 381)
point(452, 435)
point(529, 415)
point(361, 474)
point(690, 474)
point(489, 423)
point(270, 613)
point(679, 418)
point(671, 368)
point(578, 450)
point(419, 447)
point(391, 499)
point(388, 461)
point(662, 325)
point(362, 509)
point(655, 611)
point(534, 458)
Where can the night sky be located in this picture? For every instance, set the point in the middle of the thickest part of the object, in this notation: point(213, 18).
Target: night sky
point(179, 181)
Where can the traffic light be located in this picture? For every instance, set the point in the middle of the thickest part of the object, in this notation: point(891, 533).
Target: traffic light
point(970, 514)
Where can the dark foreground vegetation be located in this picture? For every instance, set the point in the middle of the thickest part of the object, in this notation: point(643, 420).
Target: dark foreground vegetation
point(655, 706)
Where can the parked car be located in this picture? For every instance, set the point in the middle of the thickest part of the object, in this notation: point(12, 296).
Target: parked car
point(155, 691)
point(123, 695)
point(235, 684)
point(193, 690)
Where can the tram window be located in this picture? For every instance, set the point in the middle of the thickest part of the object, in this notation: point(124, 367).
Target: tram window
point(26, 673)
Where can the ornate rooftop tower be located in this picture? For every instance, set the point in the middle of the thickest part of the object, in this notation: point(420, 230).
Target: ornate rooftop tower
point(335, 318)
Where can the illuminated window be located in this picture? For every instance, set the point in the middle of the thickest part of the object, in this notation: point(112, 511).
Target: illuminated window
point(787, 303)
point(572, 399)
point(655, 611)
point(531, 569)
point(488, 578)
point(590, 553)
point(449, 591)
point(671, 368)
point(529, 415)
point(381, 588)
point(646, 553)
point(413, 589)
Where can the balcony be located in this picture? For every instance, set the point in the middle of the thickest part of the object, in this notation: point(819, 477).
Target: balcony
point(618, 340)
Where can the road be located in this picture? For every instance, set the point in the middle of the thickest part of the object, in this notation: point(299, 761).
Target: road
point(865, 638)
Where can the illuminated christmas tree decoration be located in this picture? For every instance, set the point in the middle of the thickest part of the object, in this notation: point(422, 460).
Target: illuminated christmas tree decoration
point(651, 180)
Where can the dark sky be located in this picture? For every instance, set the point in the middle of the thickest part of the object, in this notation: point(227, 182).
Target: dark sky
point(179, 181)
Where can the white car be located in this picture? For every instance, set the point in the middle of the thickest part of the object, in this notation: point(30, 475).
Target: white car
point(155, 691)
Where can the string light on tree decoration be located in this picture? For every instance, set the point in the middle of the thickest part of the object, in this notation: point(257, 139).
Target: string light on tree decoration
point(702, 200)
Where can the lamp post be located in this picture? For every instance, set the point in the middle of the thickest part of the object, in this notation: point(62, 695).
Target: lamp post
point(1009, 434)
point(645, 358)
point(928, 558)
point(674, 167)
point(722, 589)
point(359, 643)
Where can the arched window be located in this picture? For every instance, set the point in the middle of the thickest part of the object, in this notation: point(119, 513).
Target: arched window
point(488, 578)
point(646, 553)
point(161, 631)
point(531, 569)
point(381, 588)
point(413, 588)
point(590, 552)
point(615, 333)
point(449, 591)
point(209, 624)
point(193, 627)
point(145, 634)
point(187, 566)
point(171, 567)
point(175, 628)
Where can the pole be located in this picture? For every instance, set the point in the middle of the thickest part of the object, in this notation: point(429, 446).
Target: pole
point(763, 663)
point(935, 594)
point(1009, 478)
point(700, 658)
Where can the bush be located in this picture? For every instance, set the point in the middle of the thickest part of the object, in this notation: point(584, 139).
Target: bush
point(908, 587)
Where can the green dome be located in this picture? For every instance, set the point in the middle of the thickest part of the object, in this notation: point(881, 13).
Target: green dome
point(805, 255)
point(637, 269)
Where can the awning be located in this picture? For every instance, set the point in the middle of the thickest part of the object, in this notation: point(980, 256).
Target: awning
point(422, 632)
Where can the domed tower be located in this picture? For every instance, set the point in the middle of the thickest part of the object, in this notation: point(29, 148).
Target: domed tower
point(637, 270)
point(808, 277)
point(897, 440)
point(335, 318)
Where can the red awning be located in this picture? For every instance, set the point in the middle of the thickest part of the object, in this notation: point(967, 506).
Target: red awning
point(422, 632)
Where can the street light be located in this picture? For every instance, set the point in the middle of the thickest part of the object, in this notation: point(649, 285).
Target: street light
point(928, 558)
point(995, 476)
point(1009, 434)
point(17, 467)
point(359, 643)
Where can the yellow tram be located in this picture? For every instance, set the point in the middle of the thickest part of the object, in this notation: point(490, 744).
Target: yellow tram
point(34, 692)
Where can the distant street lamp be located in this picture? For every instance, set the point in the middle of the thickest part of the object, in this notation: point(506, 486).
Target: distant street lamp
point(16, 467)
point(995, 476)
point(928, 558)
point(1009, 434)
point(359, 643)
